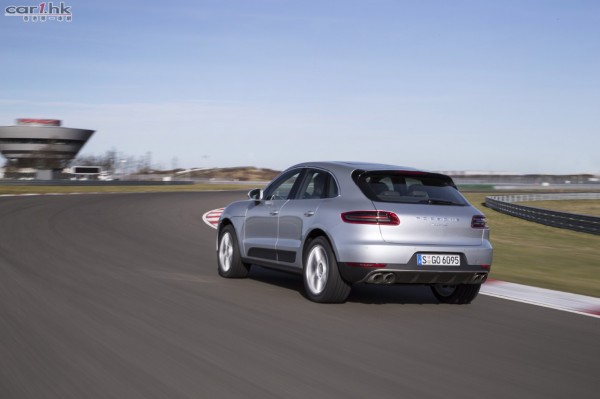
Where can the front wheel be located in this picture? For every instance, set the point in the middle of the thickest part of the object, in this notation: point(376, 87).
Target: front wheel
point(460, 294)
point(229, 260)
point(322, 280)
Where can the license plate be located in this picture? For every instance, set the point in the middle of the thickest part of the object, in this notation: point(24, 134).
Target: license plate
point(438, 260)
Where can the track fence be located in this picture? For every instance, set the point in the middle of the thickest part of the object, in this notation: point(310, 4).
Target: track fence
point(507, 204)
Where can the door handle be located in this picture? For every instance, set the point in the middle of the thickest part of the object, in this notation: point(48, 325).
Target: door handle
point(274, 213)
point(309, 213)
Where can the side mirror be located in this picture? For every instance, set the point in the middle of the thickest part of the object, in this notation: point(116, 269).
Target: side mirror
point(256, 194)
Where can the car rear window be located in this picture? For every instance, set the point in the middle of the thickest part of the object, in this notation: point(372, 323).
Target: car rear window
point(408, 187)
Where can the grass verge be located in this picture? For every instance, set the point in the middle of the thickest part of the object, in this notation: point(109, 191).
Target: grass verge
point(119, 189)
point(582, 207)
point(533, 254)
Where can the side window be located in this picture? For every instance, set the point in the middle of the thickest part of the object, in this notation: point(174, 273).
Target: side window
point(318, 184)
point(332, 188)
point(281, 188)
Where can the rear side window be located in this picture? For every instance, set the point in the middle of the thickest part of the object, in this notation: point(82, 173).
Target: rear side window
point(408, 187)
point(318, 184)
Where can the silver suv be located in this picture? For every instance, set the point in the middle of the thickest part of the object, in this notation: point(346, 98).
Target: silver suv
point(342, 223)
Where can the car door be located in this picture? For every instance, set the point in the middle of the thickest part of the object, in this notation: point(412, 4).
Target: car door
point(299, 214)
point(261, 225)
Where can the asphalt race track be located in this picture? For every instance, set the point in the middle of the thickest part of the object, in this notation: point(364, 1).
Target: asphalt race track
point(117, 296)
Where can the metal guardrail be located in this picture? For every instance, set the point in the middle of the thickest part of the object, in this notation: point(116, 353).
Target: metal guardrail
point(547, 197)
point(572, 221)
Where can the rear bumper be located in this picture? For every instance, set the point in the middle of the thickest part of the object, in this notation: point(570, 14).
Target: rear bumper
point(377, 251)
point(411, 273)
point(427, 277)
point(397, 264)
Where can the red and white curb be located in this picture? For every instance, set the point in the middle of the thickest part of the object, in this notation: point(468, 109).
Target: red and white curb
point(211, 218)
point(567, 302)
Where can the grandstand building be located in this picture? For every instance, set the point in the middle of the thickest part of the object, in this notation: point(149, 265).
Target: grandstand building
point(41, 144)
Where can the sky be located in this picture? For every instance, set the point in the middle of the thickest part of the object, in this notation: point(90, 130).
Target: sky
point(446, 85)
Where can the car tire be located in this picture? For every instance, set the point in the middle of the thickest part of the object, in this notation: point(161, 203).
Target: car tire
point(229, 260)
point(322, 280)
point(461, 294)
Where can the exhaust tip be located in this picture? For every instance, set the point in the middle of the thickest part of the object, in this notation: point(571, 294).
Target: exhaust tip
point(382, 278)
point(389, 278)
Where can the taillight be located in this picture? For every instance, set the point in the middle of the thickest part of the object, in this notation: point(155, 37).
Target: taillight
point(371, 217)
point(478, 222)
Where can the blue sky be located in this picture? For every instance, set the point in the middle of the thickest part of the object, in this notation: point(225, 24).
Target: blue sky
point(441, 85)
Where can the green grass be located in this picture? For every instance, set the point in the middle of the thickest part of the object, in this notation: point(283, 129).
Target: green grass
point(120, 189)
point(538, 255)
point(582, 207)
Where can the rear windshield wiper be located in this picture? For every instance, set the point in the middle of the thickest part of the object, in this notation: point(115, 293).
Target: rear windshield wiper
point(435, 201)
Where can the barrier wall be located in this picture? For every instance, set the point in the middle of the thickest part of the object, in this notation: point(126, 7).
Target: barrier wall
point(583, 223)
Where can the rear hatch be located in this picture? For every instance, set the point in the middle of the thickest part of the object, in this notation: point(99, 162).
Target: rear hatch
point(431, 225)
point(429, 206)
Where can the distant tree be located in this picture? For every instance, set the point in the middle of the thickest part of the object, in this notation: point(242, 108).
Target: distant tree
point(107, 161)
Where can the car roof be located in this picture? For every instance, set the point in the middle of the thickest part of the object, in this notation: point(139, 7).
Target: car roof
point(343, 173)
point(343, 166)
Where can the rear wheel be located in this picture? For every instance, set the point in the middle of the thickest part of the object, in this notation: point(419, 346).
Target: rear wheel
point(229, 260)
point(460, 294)
point(322, 280)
